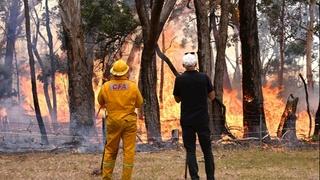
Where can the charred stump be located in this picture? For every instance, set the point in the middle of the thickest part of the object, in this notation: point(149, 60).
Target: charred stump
point(287, 126)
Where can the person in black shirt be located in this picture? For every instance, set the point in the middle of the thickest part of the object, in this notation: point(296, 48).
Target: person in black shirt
point(192, 89)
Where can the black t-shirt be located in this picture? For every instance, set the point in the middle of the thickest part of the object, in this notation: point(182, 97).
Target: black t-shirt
point(193, 87)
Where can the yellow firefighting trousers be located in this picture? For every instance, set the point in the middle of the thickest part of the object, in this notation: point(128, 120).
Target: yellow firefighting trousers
point(117, 129)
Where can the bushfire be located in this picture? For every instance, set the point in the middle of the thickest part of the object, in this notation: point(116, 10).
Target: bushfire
point(170, 111)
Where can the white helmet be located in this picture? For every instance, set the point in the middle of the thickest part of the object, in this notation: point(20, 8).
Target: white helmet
point(189, 59)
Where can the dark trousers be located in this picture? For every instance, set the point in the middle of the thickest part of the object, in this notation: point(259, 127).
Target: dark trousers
point(189, 141)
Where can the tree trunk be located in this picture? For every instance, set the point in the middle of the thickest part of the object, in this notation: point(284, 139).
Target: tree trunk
point(307, 101)
point(204, 48)
point(282, 44)
point(45, 74)
point(148, 75)
point(287, 128)
point(317, 118)
point(253, 110)
point(44, 139)
point(236, 81)
point(316, 132)
point(221, 42)
point(135, 52)
point(53, 69)
point(309, 44)
point(151, 29)
point(162, 70)
point(18, 76)
point(80, 69)
point(11, 36)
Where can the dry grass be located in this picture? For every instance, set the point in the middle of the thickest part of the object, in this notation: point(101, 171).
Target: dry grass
point(252, 163)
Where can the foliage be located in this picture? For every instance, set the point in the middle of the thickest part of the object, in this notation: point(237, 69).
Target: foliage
point(295, 48)
point(109, 19)
point(295, 23)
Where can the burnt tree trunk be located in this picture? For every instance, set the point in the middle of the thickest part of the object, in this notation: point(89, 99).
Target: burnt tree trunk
point(204, 47)
point(45, 74)
point(287, 126)
point(11, 36)
point(148, 79)
point(44, 138)
point(282, 44)
point(80, 70)
point(52, 70)
point(253, 110)
point(151, 28)
point(44, 78)
point(219, 120)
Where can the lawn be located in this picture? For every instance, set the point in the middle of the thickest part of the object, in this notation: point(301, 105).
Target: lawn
point(231, 163)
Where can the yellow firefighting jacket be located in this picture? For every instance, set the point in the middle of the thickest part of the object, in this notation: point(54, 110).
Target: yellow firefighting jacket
point(120, 97)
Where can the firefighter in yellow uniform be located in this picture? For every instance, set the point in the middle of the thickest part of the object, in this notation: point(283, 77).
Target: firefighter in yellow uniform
point(120, 97)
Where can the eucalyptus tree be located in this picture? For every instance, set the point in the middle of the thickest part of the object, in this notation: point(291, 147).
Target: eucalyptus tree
point(253, 109)
point(12, 23)
point(80, 70)
point(44, 138)
point(107, 26)
point(152, 15)
point(291, 24)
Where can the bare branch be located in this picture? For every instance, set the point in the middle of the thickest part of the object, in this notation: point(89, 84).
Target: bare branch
point(167, 60)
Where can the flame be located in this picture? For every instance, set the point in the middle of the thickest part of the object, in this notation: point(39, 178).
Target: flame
point(62, 97)
point(273, 107)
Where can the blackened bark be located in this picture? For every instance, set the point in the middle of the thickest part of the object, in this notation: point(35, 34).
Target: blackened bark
point(11, 36)
point(253, 110)
point(42, 128)
point(80, 70)
point(218, 117)
point(148, 74)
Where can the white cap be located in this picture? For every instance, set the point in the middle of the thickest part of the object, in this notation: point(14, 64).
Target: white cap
point(189, 60)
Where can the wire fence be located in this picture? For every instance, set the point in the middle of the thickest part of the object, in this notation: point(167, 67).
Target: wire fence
point(28, 132)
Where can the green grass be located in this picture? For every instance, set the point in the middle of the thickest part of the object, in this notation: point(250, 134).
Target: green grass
point(239, 163)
